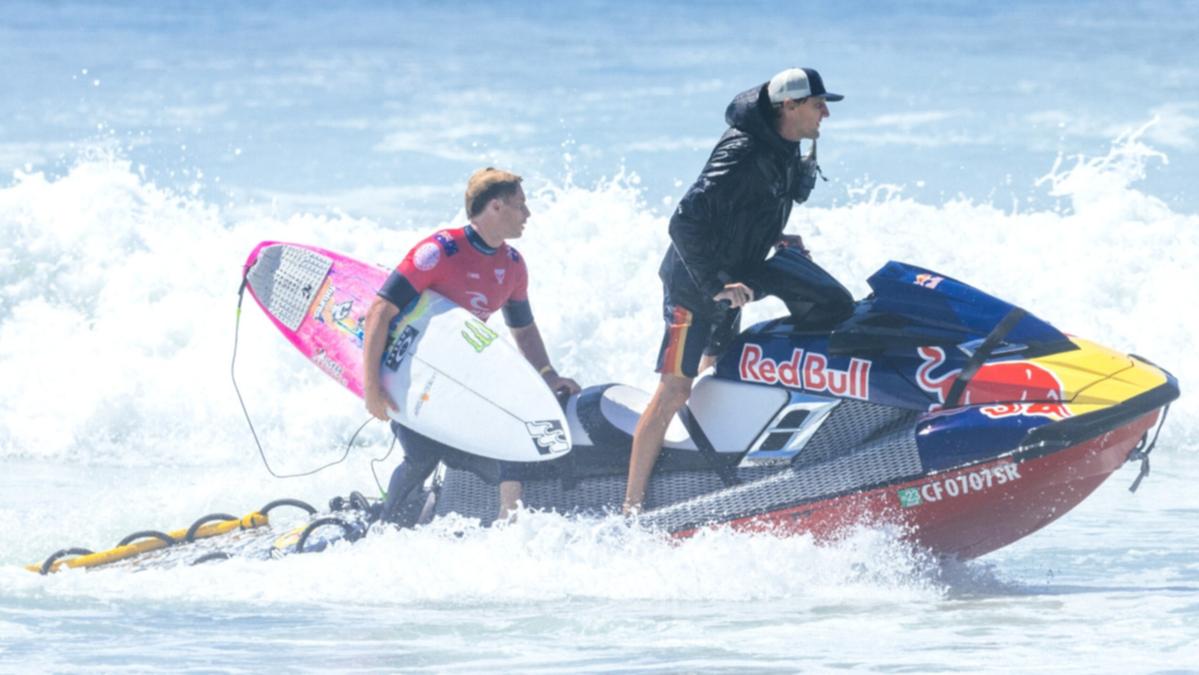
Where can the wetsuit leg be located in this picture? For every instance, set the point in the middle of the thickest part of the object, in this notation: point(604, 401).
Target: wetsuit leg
point(420, 460)
point(409, 475)
point(421, 456)
point(815, 299)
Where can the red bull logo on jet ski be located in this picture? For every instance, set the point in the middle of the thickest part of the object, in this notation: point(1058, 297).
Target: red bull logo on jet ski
point(809, 372)
point(1013, 387)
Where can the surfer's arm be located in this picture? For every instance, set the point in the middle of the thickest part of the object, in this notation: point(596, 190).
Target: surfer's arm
point(528, 341)
point(398, 290)
point(374, 340)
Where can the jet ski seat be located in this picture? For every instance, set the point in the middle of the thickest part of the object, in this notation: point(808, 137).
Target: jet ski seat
point(602, 421)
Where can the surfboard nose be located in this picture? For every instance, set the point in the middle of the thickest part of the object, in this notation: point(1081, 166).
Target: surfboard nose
point(252, 259)
point(285, 278)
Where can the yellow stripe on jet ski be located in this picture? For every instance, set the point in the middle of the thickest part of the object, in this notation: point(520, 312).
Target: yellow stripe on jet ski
point(1095, 377)
point(1135, 380)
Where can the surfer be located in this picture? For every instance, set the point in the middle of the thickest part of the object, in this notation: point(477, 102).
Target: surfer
point(721, 233)
point(474, 267)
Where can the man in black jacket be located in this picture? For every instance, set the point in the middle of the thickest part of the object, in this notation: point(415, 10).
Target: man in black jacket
point(721, 233)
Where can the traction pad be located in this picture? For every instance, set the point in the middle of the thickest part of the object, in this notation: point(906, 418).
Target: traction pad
point(286, 280)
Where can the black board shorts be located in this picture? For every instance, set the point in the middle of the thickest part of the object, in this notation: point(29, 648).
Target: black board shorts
point(690, 335)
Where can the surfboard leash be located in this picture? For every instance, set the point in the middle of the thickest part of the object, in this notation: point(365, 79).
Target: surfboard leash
point(241, 294)
point(380, 460)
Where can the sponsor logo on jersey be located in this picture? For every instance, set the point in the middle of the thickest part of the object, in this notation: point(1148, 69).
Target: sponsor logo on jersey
point(426, 256)
point(499, 275)
point(447, 242)
point(478, 302)
point(809, 372)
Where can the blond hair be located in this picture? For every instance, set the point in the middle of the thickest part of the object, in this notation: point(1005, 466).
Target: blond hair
point(488, 184)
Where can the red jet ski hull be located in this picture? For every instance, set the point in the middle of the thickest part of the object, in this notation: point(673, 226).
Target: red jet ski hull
point(969, 511)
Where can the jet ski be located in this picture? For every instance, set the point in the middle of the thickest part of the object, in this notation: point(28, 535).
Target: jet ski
point(962, 419)
point(966, 422)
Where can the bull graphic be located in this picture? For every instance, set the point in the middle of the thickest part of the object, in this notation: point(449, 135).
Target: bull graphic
point(1012, 387)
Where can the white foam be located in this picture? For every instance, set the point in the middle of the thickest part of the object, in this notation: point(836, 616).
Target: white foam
point(118, 296)
point(540, 557)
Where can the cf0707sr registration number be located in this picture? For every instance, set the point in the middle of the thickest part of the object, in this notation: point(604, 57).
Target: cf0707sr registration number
point(956, 486)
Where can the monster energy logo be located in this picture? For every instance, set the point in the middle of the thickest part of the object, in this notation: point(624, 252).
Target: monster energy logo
point(478, 335)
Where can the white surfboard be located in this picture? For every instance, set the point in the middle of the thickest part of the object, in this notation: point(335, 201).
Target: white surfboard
point(458, 382)
point(454, 379)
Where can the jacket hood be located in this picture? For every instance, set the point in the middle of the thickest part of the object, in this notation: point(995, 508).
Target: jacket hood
point(750, 111)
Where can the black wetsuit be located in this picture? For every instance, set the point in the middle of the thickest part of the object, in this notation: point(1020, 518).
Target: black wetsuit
point(421, 455)
point(728, 221)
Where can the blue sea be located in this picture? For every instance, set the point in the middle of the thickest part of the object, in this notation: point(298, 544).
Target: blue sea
point(1046, 152)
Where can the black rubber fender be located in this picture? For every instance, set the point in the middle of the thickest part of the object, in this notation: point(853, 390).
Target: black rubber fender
point(209, 557)
point(360, 502)
point(266, 510)
point(54, 557)
point(149, 534)
point(204, 520)
point(349, 531)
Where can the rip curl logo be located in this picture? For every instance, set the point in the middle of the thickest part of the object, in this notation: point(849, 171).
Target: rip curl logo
point(548, 436)
point(478, 303)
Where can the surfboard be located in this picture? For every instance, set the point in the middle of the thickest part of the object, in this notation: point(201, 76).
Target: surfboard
point(454, 379)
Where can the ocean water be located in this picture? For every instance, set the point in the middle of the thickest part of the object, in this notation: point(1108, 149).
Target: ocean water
point(1045, 152)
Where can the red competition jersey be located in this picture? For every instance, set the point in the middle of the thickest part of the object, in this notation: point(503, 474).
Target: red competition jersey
point(449, 263)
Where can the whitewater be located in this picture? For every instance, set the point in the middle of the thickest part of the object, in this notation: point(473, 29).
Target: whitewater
point(144, 161)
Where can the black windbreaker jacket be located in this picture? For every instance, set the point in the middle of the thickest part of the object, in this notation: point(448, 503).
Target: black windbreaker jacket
point(735, 212)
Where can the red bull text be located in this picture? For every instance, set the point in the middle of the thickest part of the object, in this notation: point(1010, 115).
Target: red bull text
point(809, 372)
